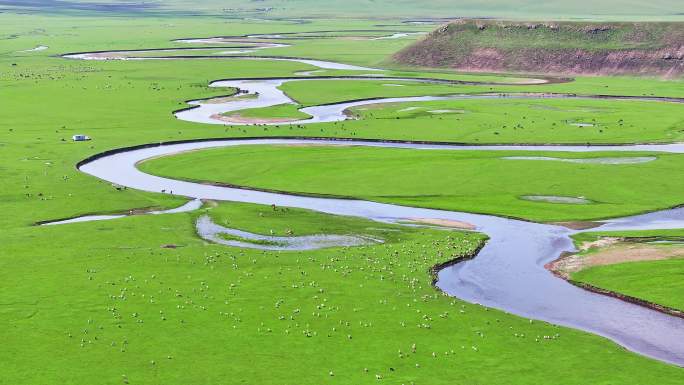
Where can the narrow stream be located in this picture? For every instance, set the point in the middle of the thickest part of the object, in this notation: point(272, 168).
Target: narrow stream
point(209, 230)
point(267, 93)
point(508, 273)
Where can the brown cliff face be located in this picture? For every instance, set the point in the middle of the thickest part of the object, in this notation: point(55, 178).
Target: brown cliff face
point(553, 48)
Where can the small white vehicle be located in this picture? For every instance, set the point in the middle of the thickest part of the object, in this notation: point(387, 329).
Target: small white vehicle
point(80, 138)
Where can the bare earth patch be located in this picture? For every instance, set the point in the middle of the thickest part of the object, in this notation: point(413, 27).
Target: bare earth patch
point(578, 225)
point(463, 46)
point(444, 223)
point(376, 106)
point(226, 99)
point(410, 109)
point(611, 251)
point(531, 81)
point(614, 251)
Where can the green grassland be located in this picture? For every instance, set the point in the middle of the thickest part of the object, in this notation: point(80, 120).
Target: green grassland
point(307, 92)
point(124, 103)
point(474, 181)
point(498, 120)
point(48, 99)
point(124, 309)
point(103, 302)
point(654, 281)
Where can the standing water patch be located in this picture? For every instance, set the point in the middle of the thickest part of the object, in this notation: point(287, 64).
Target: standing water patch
point(556, 199)
point(614, 160)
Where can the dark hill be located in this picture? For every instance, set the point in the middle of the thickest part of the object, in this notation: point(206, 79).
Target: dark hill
point(568, 48)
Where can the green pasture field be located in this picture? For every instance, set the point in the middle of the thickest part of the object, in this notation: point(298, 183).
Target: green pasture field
point(143, 300)
point(119, 308)
point(495, 120)
point(654, 281)
point(657, 281)
point(473, 181)
point(122, 103)
point(282, 111)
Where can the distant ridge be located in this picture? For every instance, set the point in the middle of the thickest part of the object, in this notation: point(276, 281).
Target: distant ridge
point(568, 48)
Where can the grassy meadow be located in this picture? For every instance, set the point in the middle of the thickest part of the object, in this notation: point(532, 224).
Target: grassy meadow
point(119, 308)
point(654, 281)
point(143, 300)
point(475, 181)
point(657, 281)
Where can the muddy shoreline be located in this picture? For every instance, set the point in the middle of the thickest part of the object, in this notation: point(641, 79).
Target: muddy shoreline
point(551, 266)
point(623, 297)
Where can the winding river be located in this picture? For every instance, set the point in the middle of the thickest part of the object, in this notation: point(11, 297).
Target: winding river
point(507, 274)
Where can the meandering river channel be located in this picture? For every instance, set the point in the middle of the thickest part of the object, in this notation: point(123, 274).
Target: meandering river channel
point(507, 274)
